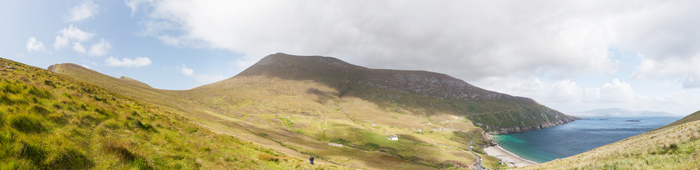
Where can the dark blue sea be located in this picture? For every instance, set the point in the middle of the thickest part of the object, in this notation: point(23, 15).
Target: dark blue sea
point(577, 137)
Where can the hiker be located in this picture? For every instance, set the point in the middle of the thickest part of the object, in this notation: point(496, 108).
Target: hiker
point(312, 160)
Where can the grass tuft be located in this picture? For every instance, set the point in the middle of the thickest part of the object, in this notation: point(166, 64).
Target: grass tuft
point(268, 157)
point(39, 92)
point(71, 159)
point(39, 110)
point(34, 153)
point(27, 123)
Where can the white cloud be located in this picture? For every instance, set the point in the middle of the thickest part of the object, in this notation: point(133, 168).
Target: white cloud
point(134, 4)
point(691, 81)
point(567, 91)
point(78, 47)
point(617, 91)
point(568, 96)
point(34, 45)
point(200, 78)
point(522, 42)
point(185, 70)
point(683, 70)
point(471, 40)
point(60, 42)
point(400, 35)
point(126, 62)
point(71, 34)
point(86, 66)
point(85, 10)
point(100, 49)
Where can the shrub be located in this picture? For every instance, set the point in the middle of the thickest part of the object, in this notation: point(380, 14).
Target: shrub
point(27, 123)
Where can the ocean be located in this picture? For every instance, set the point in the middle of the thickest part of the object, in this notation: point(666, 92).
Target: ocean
point(577, 137)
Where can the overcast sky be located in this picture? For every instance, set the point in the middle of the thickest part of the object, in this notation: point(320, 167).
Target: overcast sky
point(570, 56)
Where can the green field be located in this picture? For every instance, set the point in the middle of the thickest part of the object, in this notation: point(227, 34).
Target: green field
point(51, 121)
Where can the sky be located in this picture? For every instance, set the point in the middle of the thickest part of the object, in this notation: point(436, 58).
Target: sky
point(569, 55)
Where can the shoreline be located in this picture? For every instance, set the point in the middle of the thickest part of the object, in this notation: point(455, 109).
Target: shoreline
point(510, 158)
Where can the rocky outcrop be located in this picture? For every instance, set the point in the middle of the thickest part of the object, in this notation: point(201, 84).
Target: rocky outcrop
point(518, 129)
point(435, 85)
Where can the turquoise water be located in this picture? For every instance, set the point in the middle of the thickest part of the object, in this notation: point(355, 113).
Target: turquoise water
point(576, 137)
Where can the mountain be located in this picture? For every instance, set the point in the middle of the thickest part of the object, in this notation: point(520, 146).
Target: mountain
point(298, 105)
point(621, 112)
point(53, 121)
point(495, 112)
point(674, 146)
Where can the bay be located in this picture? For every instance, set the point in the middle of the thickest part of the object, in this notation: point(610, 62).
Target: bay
point(577, 137)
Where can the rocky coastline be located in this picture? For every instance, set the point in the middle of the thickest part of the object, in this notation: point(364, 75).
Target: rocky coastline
point(519, 129)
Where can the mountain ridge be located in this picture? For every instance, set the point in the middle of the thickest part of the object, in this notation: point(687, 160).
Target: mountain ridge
point(615, 111)
point(399, 80)
point(464, 98)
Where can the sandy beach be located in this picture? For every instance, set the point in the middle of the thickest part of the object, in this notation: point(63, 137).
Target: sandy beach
point(510, 158)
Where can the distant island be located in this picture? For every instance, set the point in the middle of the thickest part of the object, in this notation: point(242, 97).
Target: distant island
point(620, 112)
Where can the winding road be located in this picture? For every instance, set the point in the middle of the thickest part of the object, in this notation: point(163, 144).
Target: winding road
point(477, 165)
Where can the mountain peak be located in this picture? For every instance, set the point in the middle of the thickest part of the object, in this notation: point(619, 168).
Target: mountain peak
point(338, 73)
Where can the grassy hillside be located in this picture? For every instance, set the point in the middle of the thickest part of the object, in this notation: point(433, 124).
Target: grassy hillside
point(675, 146)
point(690, 118)
point(298, 104)
point(429, 92)
point(51, 121)
point(299, 118)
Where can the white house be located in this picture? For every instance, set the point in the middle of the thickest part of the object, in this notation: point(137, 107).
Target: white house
point(394, 137)
point(335, 144)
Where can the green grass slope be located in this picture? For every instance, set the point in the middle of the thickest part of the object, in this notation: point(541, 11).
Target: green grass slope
point(297, 105)
point(298, 125)
point(675, 146)
point(51, 121)
point(690, 118)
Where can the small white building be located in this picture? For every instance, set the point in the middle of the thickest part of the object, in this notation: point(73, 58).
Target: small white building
point(335, 144)
point(393, 137)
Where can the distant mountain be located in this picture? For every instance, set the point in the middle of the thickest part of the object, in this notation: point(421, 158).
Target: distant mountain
point(620, 112)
